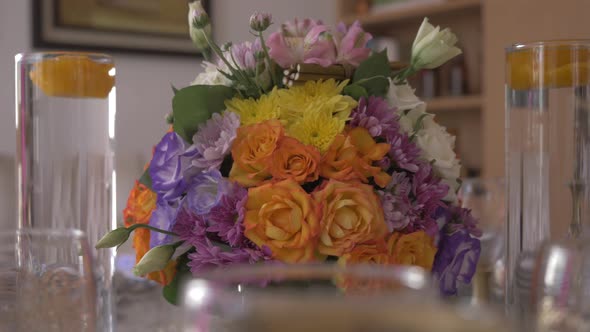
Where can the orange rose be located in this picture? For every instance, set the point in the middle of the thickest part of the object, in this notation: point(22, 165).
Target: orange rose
point(283, 217)
point(412, 249)
point(140, 205)
point(294, 160)
point(351, 157)
point(351, 214)
point(366, 253)
point(251, 151)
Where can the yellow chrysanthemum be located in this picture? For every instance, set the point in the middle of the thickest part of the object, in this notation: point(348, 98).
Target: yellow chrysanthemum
point(254, 111)
point(295, 100)
point(317, 126)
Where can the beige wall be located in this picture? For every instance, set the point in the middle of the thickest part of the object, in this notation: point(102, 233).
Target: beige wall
point(143, 82)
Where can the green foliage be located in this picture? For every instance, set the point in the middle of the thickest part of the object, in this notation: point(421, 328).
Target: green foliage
point(371, 78)
point(171, 291)
point(195, 104)
point(146, 179)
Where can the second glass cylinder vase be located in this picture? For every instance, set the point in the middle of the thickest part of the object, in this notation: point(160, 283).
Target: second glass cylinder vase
point(65, 119)
point(548, 148)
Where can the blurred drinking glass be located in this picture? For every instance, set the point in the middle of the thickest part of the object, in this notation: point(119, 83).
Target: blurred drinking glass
point(316, 298)
point(47, 282)
point(486, 199)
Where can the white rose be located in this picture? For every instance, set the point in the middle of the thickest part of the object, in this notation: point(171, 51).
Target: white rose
point(403, 98)
point(433, 47)
point(438, 145)
point(211, 76)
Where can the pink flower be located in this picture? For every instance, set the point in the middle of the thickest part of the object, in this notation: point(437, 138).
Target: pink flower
point(305, 41)
point(351, 44)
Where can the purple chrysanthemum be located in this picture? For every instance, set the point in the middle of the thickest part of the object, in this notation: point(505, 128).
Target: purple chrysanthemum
point(456, 260)
point(376, 116)
point(226, 219)
point(396, 204)
point(208, 255)
point(213, 141)
point(403, 152)
point(167, 167)
point(462, 219)
point(190, 227)
point(428, 190)
point(245, 54)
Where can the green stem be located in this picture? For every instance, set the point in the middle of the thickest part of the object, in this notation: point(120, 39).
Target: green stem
point(134, 227)
point(273, 75)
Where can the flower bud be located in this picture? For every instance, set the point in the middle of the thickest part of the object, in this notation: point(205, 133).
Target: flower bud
point(199, 26)
point(433, 47)
point(154, 260)
point(260, 21)
point(113, 238)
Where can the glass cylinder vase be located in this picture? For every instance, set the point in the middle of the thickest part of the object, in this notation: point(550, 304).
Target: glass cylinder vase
point(65, 122)
point(548, 149)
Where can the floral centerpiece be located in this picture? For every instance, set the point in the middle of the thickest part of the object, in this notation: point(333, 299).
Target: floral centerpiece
point(303, 147)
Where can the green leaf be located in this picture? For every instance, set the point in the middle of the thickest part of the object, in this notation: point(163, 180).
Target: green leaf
point(375, 86)
point(171, 291)
point(355, 91)
point(146, 179)
point(375, 65)
point(174, 89)
point(195, 104)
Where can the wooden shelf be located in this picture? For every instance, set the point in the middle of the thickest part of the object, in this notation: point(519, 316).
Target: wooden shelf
point(453, 104)
point(391, 17)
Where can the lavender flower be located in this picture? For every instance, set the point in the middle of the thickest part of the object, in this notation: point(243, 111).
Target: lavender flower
point(376, 116)
point(208, 255)
point(226, 219)
point(204, 191)
point(403, 152)
point(213, 141)
point(245, 54)
point(167, 167)
point(163, 217)
point(456, 260)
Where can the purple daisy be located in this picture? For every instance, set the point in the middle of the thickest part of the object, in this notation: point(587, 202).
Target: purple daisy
point(376, 116)
point(428, 190)
point(461, 218)
point(213, 141)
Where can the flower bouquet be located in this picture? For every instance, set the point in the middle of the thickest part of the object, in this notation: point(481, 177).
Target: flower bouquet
point(303, 147)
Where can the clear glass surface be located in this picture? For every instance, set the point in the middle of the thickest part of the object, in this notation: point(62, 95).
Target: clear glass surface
point(47, 281)
point(486, 200)
point(547, 146)
point(65, 122)
point(324, 298)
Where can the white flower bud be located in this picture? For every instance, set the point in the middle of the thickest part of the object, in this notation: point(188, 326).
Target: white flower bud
point(433, 47)
point(154, 260)
point(113, 238)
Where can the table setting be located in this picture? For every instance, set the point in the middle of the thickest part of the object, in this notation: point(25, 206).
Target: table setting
point(301, 185)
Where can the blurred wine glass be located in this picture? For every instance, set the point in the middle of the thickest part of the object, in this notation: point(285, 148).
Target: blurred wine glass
point(486, 199)
point(47, 281)
point(318, 298)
